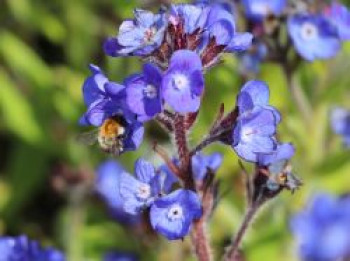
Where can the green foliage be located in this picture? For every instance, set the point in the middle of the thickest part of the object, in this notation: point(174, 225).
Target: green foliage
point(45, 48)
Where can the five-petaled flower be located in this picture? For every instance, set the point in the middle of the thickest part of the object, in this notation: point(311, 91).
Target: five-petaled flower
point(314, 36)
point(173, 214)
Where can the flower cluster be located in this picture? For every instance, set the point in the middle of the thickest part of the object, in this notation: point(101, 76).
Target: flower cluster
point(21, 248)
point(340, 122)
point(178, 45)
point(322, 230)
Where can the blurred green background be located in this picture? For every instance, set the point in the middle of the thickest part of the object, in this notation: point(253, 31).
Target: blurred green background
point(45, 49)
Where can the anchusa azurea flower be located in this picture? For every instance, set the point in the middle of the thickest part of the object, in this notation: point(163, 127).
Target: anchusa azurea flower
point(106, 185)
point(21, 248)
point(322, 230)
point(340, 123)
point(254, 131)
point(171, 214)
point(314, 36)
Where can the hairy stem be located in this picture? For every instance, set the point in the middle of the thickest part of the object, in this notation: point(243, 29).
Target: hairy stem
point(298, 95)
point(199, 237)
point(232, 251)
point(200, 241)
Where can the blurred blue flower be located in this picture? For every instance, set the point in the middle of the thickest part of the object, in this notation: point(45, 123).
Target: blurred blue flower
point(102, 97)
point(250, 61)
point(201, 163)
point(339, 15)
point(22, 249)
point(140, 192)
point(143, 93)
point(256, 10)
point(313, 36)
point(340, 123)
point(172, 215)
point(183, 82)
point(138, 37)
point(107, 181)
point(119, 256)
point(322, 230)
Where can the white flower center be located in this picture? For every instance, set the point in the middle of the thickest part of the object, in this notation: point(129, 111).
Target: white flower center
point(144, 191)
point(260, 8)
point(180, 81)
point(150, 91)
point(175, 212)
point(309, 31)
point(247, 134)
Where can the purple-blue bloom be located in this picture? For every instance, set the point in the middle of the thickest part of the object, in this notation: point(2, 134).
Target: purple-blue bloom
point(256, 10)
point(314, 36)
point(254, 134)
point(107, 181)
point(119, 256)
point(253, 97)
point(138, 37)
point(172, 215)
point(102, 97)
point(284, 152)
point(143, 92)
point(340, 123)
point(140, 192)
point(339, 15)
point(186, 14)
point(22, 249)
point(201, 163)
point(322, 230)
point(219, 23)
point(183, 82)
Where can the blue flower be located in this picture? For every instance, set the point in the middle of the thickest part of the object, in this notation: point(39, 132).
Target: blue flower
point(314, 36)
point(256, 10)
point(339, 15)
point(166, 177)
point(102, 97)
point(107, 186)
point(284, 152)
point(254, 134)
point(201, 163)
point(119, 256)
point(183, 82)
point(219, 23)
point(340, 123)
point(140, 192)
point(22, 249)
point(143, 93)
point(251, 60)
point(186, 14)
point(322, 230)
point(138, 37)
point(253, 97)
point(172, 215)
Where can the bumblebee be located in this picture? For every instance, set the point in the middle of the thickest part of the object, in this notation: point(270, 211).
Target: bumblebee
point(280, 175)
point(110, 135)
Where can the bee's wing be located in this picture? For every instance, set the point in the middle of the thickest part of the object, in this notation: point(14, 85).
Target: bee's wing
point(277, 167)
point(88, 138)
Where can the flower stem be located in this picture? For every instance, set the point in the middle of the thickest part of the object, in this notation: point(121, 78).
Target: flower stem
point(200, 241)
point(198, 235)
point(232, 251)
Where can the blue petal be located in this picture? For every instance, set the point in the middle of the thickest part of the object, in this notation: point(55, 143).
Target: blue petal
point(144, 171)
